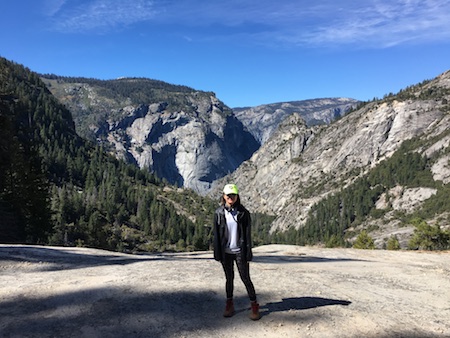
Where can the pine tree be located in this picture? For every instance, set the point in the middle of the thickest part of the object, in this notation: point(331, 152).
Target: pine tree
point(364, 241)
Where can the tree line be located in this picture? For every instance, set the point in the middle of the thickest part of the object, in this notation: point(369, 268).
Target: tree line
point(330, 219)
point(57, 188)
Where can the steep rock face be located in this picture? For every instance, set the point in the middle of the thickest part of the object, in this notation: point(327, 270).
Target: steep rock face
point(187, 137)
point(260, 177)
point(286, 183)
point(188, 150)
point(263, 120)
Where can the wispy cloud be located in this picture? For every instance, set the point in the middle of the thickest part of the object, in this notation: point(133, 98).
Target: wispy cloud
point(382, 24)
point(51, 7)
point(369, 23)
point(101, 15)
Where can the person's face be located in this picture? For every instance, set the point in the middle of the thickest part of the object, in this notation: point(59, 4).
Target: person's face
point(230, 199)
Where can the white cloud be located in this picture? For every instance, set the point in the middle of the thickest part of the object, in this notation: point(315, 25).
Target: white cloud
point(51, 7)
point(375, 23)
point(102, 15)
point(369, 23)
point(385, 23)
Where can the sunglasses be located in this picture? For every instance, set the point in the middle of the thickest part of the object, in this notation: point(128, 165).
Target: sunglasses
point(231, 195)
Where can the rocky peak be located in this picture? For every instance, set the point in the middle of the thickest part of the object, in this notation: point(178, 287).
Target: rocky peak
point(188, 137)
point(188, 149)
point(263, 120)
point(300, 165)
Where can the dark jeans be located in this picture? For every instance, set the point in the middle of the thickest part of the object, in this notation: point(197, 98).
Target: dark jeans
point(244, 272)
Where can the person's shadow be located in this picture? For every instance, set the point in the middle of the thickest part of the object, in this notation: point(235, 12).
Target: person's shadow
point(300, 303)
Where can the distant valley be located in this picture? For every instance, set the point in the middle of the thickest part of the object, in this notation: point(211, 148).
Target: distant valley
point(136, 164)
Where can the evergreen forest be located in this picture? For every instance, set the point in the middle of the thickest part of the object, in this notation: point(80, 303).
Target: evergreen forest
point(78, 95)
point(330, 221)
point(60, 189)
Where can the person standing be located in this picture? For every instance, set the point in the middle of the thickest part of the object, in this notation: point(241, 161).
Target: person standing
point(232, 243)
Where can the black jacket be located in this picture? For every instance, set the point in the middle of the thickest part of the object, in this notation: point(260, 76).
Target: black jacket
point(244, 230)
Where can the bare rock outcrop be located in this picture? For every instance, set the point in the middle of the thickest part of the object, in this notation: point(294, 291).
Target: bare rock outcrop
point(187, 149)
point(263, 120)
point(278, 181)
point(187, 137)
point(302, 292)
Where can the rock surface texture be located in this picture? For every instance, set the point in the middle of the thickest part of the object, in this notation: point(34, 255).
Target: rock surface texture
point(263, 120)
point(190, 150)
point(281, 157)
point(188, 137)
point(300, 165)
point(302, 292)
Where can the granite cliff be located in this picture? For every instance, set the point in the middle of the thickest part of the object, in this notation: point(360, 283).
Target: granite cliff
point(263, 120)
point(286, 157)
point(300, 165)
point(188, 137)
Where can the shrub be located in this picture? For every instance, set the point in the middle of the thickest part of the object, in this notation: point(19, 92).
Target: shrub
point(427, 237)
point(364, 241)
point(393, 243)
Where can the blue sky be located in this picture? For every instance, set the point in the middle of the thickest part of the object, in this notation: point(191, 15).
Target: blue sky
point(249, 52)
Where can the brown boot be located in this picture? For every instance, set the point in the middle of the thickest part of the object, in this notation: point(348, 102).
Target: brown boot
point(229, 308)
point(254, 314)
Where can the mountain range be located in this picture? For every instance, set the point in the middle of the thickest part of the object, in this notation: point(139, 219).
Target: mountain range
point(262, 121)
point(291, 158)
point(323, 170)
point(311, 178)
point(188, 137)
